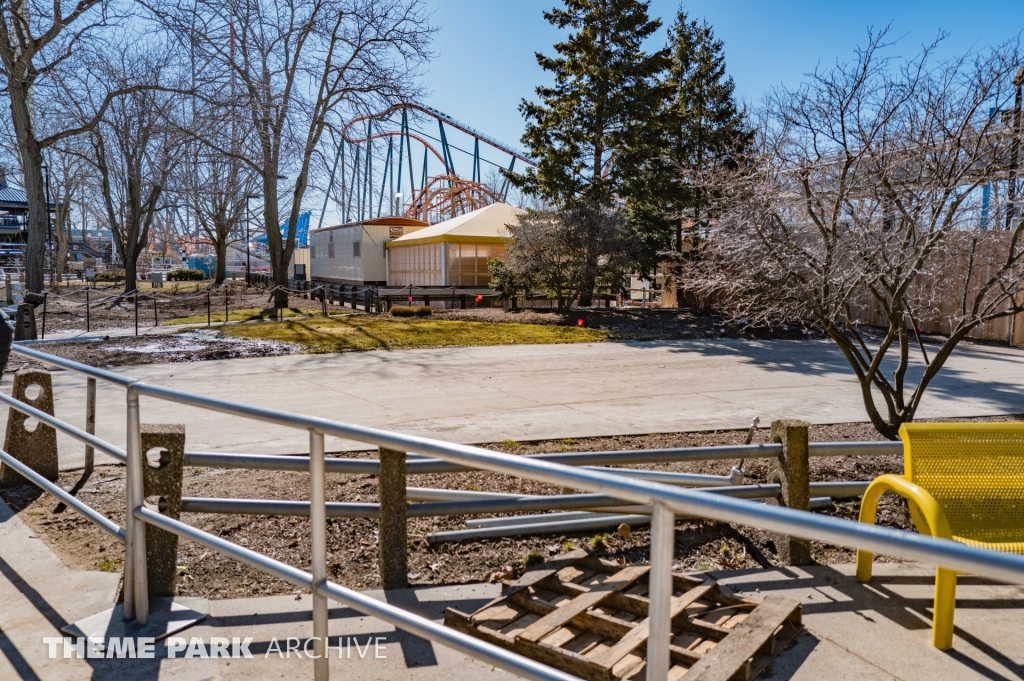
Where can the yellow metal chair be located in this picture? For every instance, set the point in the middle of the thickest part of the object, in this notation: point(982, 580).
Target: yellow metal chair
point(962, 481)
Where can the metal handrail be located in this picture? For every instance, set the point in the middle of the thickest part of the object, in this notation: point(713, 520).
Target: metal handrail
point(109, 526)
point(401, 619)
point(667, 503)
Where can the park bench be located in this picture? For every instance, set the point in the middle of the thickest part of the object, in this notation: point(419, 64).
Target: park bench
point(962, 481)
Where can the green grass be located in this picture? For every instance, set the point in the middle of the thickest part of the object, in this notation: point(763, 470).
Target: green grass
point(341, 334)
point(243, 315)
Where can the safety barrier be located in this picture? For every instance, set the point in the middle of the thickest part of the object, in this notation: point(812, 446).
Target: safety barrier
point(666, 504)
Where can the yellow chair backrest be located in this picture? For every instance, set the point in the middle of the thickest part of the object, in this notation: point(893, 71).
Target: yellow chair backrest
point(975, 471)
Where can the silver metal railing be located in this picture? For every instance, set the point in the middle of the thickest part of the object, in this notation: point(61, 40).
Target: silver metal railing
point(667, 502)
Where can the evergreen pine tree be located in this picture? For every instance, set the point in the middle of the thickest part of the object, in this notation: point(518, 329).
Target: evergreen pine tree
point(605, 92)
point(699, 124)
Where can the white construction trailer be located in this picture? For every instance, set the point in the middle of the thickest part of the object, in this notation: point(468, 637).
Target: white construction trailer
point(355, 253)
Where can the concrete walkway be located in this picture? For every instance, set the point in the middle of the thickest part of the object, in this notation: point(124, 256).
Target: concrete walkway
point(488, 394)
point(853, 631)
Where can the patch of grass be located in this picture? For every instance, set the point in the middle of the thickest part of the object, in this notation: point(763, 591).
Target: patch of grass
point(107, 565)
point(511, 444)
point(356, 332)
point(599, 542)
point(243, 315)
point(569, 546)
point(533, 558)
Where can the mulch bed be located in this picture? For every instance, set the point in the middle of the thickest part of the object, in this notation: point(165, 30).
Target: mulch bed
point(352, 544)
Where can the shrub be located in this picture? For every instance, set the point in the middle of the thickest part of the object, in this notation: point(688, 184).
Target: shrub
point(533, 558)
point(110, 275)
point(183, 274)
point(410, 311)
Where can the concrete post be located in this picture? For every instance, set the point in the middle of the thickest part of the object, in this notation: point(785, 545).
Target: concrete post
point(25, 325)
point(163, 449)
point(792, 471)
point(393, 559)
point(35, 448)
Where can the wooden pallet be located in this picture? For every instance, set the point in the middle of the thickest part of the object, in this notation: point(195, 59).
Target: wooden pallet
point(588, 617)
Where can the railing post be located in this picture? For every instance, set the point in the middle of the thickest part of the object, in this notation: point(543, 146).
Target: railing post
point(135, 529)
point(659, 636)
point(791, 471)
point(318, 534)
point(393, 559)
point(37, 448)
point(90, 422)
point(161, 478)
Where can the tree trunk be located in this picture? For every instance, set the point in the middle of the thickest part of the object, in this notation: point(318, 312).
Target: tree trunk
point(131, 269)
point(587, 283)
point(32, 166)
point(222, 256)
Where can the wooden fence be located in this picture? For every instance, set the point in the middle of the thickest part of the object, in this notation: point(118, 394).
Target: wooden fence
point(937, 294)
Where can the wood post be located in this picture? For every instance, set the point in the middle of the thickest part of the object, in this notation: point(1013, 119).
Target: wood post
point(393, 559)
point(90, 422)
point(792, 471)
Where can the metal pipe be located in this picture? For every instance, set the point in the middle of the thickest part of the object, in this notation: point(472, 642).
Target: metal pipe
point(279, 463)
point(839, 490)
point(567, 527)
point(274, 507)
point(659, 600)
point(423, 465)
point(318, 557)
point(884, 448)
point(73, 365)
point(90, 423)
point(534, 519)
point(817, 503)
point(92, 514)
point(65, 428)
point(361, 603)
point(684, 479)
point(135, 548)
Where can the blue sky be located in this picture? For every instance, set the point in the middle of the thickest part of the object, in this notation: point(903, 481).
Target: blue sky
point(486, 48)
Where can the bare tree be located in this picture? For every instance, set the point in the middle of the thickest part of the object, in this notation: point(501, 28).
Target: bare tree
point(863, 195)
point(136, 148)
point(300, 66)
point(68, 174)
point(37, 41)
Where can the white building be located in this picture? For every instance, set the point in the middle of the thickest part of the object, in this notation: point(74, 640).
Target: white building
point(355, 253)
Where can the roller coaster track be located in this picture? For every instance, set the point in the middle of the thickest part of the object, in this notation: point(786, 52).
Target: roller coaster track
point(441, 116)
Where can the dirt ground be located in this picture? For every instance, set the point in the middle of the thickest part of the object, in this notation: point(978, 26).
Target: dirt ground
point(352, 548)
point(66, 310)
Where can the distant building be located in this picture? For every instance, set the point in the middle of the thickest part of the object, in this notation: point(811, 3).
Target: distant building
point(13, 217)
point(355, 253)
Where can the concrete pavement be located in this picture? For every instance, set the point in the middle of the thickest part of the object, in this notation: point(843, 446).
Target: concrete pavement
point(488, 394)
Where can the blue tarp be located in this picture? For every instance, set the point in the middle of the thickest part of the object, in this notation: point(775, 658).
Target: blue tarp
point(301, 234)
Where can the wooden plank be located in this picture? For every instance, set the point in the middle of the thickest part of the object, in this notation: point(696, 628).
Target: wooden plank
point(638, 635)
point(593, 621)
point(582, 603)
point(734, 652)
point(544, 571)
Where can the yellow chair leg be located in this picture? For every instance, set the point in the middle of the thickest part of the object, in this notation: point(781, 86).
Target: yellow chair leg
point(945, 604)
point(864, 559)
